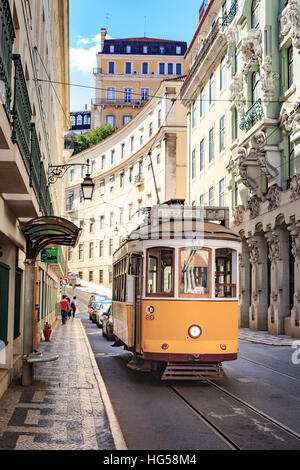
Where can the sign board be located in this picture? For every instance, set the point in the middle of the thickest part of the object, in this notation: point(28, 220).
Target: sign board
point(50, 255)
point(65, 281)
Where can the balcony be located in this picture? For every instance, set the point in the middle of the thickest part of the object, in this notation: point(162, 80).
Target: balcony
point(252, 116)
point(118, 103)
point(228, 19)
point(6, 46)
point(138, 180)
point(21, 113)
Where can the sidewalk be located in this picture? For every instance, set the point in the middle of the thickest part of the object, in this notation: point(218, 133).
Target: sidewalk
point(67, 407)
point(263, 337)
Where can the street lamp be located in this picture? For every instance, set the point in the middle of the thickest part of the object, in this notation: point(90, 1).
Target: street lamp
point(58, 171)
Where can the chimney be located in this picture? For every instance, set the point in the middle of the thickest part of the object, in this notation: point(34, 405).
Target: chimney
point(103, 36)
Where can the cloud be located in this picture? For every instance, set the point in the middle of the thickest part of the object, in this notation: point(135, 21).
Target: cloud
point(84, 59)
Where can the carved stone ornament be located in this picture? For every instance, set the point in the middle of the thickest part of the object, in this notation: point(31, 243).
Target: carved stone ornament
point(238, 215)
point(290, 117)
point(274, 197)
point(253, 250)
point(254, 206)
point(251, 49)
point(294, 230)
point(295, 187)
point(232, 166)
point(273, 244)
point(290, 22)
point(237, 94)
point(268, 78)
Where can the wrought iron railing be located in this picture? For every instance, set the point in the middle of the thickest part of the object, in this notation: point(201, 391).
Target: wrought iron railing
point(231, 14)
point(7, 35)
point(252, 116)
point(107, 102)
point(21, 113)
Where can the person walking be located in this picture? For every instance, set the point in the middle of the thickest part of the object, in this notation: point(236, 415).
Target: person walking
point(64, 308)
point(74, 306)
point(69, 311)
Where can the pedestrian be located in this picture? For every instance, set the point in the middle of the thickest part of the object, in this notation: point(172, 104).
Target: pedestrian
point(64, 308)
point(73, 306)
point(69, 311)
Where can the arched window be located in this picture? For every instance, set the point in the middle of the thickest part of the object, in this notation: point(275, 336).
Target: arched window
point(79, 120)
point(255, 14)
point(73, 121)
point(256, 87)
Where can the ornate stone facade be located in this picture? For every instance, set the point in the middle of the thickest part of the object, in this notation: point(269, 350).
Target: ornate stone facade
point(290, 22)
point(251, 49)
point(268, 78)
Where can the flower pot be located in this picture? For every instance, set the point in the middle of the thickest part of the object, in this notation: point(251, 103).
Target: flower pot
point(47, 333)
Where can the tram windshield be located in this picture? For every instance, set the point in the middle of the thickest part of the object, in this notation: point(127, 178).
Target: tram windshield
point(194, 272)
point(160, 271)
point(224, 273)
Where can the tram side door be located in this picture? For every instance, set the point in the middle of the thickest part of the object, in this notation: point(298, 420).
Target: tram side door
point(138, 302)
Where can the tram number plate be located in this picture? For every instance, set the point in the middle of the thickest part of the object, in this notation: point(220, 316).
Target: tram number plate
point(149, 312)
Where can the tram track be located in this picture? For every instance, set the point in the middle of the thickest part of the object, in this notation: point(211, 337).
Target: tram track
point(241, 425)
point(270, 368)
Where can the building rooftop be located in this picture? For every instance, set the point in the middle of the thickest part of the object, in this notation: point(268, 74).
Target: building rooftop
point(137, 45)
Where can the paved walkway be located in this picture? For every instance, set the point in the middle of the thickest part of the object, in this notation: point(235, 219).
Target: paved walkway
point(67, 407)
point(264, 337)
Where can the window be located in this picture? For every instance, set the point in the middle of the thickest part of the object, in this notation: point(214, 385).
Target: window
point(161, 68)
point(193, 164)
point(121, 180)
point(170, 69)
point(222, 134)
point(93, 167)
point(225, 281)
point(101, 276)
point(223, 74)
point(234, 62)
point(70, 200)
point(101, 249)
point(110, 93)
point(122, 150)
point(80, 274)
point(111, 49)
point(161, 50)
point(131, 144)
point(73, 121)
point(81, 198)
point(101, 222)
point(291, 160)
point(194, 272)
point(111, 247)
point(178, 50)
point(112, 157)
point(202, 102)
point(110, 120)
point(145, 68)
point(111, 219)
point(194, 114)
point(128, 67)
point(159, 118)
point(158, 158)
point(256, 87)
point(150, 129)
point(81, 252)
point(211, 88)
point(102, 188)
point(130, 174)
point(128, 49)
point(72, 174)
point(144, 94)
point(201, 155)
point(91, 250)
point(79, 120)
point(211, 196)
point(102, 162)
point(111, 67)
point(91, 276)
point(160, 272)
point(178, 69)
point(92, 226)
point(222, 192)
point(127, 95)
point(255, 14)
point(126, 119)
point(234, 126)
point(145, 49)
point(290, 66)
point(211, 146)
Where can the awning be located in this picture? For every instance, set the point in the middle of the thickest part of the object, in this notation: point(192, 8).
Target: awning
point(43, 231)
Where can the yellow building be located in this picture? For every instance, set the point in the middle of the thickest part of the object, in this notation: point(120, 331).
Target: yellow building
point(33, 117)
point(124, 183)
point(128, 74)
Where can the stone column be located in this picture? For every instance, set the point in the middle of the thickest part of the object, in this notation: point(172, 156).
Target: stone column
point(294, 229)
point(279, 256)
point(258, 311)
point(28, 329)
point(244, 297)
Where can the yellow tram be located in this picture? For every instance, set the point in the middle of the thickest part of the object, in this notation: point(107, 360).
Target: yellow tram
point(175, 292)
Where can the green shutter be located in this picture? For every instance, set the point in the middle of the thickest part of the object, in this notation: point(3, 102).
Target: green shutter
point(4, 292)
point(18, 286)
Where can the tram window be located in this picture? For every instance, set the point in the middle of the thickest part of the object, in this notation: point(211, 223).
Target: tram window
point(224, 273)
point(160, 275)
point(119, 281)
point(194, 272)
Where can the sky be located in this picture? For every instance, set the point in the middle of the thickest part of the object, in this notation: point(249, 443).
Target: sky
point(165, 19)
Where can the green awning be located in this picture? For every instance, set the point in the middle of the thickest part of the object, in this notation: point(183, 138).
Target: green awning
point(44, 231)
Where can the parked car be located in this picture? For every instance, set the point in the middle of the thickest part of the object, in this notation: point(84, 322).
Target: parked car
point(96, 298)
point(95, 309)
point(104, 306)
point(107, 325)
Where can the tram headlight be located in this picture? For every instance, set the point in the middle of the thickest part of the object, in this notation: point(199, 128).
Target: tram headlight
point(194, 331)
